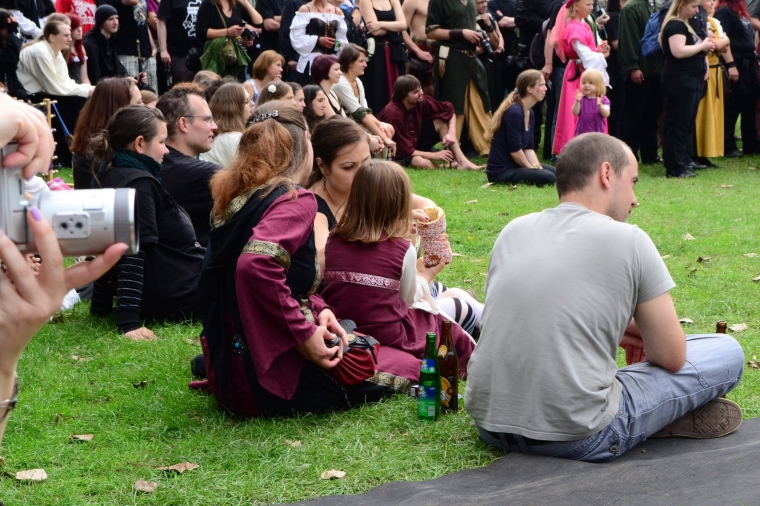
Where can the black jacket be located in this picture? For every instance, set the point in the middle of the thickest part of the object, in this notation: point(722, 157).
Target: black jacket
point(9, 64)
point(102, 59)
point(529, 16)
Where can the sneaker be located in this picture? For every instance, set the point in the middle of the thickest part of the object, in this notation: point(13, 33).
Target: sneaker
point(717, 418)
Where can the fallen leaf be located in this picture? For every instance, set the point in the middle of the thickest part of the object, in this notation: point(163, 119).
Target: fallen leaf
point(194, 341)
point(739, 327)
point(688, 237)
point(332, 473)
point(181, 467)
point(726, 186)
point(404, 433)
point(504, 213)
point(754, 364)
point(32, 475)
point(146, 486)
point(513, 187)
point(82, 437)
point(738, 219)
point(720, 194)
point(686, 321)
point(665, 256)
point(692, 272)
point(294, 444)
point(471, 201)
point(750, 255)
point(142, 384)
point(454, 254)
point(756, 279)
point(752, 168)
point(703, 260)
point(486, 185)
point(83, 359)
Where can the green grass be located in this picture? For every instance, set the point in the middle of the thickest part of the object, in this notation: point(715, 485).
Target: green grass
point(138, 429)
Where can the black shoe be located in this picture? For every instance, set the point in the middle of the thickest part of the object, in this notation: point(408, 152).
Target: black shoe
point(198, 367)
point(701, 160)
point(734, 154)
point(682, 174)
point(696, 166)
point(654, 161)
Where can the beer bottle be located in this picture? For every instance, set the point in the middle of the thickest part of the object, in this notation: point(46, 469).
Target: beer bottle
point(448, 362)
point(428, 397)
point(721, 327)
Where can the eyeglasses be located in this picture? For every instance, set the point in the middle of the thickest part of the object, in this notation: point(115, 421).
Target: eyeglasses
point(207, 119)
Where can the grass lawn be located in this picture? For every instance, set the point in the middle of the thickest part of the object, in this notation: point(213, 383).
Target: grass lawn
point(81, 377)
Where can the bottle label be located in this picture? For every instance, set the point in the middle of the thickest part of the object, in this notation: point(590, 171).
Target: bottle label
point(429, 365)
point(446, 392)
point(442, 350)
point(426, 402)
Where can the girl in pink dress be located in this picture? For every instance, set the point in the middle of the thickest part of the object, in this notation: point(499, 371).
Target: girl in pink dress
point(372, 277)
point(575, 42)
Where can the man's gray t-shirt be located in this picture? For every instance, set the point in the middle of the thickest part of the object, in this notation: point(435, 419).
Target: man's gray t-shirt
point(562, 286)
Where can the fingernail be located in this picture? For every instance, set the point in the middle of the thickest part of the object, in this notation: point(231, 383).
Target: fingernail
point(36, 214)
point(126, 250)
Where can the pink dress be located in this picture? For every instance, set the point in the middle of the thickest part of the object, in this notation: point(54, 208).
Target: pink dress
point(362, 283)
point(581, 31)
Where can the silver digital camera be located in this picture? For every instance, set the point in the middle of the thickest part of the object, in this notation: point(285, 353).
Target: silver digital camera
point(85, 222)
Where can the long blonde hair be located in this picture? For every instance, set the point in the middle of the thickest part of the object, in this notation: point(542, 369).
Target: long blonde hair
point(672, 14)
point(525, 80)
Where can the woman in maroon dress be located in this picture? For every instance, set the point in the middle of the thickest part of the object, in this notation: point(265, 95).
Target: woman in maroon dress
point(371, 275)
point(264, 328)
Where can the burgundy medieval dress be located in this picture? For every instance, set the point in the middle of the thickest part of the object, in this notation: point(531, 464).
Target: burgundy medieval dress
point(362, 283)
point(258, 304)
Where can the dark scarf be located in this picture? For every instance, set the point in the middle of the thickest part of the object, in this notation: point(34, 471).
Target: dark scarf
point(132, 160)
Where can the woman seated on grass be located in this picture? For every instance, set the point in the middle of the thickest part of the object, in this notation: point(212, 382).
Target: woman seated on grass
point(231, 106)
point(512, 158)
point(159, 282)
point(340, 148)
point(371, 275)
point(264, 329)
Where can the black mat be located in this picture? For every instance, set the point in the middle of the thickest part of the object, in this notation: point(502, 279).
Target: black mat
point(658, 472)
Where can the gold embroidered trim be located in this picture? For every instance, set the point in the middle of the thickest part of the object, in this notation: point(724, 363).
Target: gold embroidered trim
point(397, 383)
point(271, 249)
point(306, 312)
point(236, 205)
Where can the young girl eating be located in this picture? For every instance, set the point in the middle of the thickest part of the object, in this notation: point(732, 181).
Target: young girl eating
point(371, 275)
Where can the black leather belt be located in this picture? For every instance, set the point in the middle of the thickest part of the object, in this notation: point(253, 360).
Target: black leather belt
point(510, 438)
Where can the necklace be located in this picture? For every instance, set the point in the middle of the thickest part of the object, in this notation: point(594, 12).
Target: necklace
point(327, 192)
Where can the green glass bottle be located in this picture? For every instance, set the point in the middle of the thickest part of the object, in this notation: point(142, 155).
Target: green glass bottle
point(428, 397)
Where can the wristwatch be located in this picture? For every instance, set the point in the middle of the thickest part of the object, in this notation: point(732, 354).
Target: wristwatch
point(10, 404)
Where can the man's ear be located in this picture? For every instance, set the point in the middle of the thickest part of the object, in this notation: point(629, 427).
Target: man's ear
point(182, 125)
point(605, 175)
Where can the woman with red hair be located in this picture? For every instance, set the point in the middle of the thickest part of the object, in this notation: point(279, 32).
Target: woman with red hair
point(76, 56)
point(745, 91)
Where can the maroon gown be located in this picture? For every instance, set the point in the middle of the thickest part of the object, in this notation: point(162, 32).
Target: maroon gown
point(362, 283)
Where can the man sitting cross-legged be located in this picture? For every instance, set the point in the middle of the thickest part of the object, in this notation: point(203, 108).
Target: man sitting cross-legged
point(421, 122)
point(565, 288)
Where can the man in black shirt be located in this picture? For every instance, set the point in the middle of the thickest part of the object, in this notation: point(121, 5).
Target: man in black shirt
point(176, 35)
point(190, 129)
point(100, 44)
point(133, 26)
point(289, 10)
point(271, 12)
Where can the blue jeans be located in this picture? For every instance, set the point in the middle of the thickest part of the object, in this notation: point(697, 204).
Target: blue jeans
point(652, 398)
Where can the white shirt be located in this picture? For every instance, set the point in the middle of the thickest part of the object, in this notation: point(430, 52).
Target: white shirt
point(305, 44)
point(42, 71)
point(346, 96)
point(223, 149)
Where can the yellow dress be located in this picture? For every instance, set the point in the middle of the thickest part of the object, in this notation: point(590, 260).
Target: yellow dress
point(710, 113)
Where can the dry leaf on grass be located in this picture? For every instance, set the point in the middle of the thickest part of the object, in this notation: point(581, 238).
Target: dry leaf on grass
point(754, 364)
point(703, 260)
point(739, 327)
point(503, 213)
point(688, 237)
point(181, 467)
point(692, 272)
point(454, 254)
point(142, 384)
point(471, 201)
point(756, 279)
point(294, 444)
point(332, 473)
point(686, 321)
point(750, 255)
point(726, 186)
point(486, 185)
point(146, 486)
point(32, 475)
point(751, 168)
point(665, 256)
point(194, 341)
point(513, 187)
point(82, 437)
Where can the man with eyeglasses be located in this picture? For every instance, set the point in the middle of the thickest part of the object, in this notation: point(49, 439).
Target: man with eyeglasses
point(190, 129)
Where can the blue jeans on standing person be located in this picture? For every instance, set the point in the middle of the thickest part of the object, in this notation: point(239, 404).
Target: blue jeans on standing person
point(651, 399)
